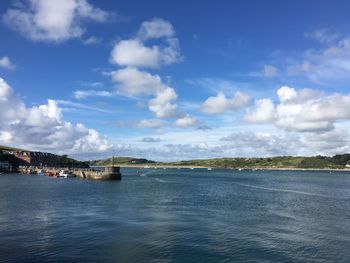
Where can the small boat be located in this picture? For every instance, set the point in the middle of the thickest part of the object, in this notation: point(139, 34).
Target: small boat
point(209, 169)
point(65, 174)
point(239, 169)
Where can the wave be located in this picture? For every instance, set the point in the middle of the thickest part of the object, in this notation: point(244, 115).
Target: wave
point(145, 174)
point(282, 190)
point(160, 180)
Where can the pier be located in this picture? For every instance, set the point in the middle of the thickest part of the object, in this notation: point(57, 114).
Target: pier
point(106, 173)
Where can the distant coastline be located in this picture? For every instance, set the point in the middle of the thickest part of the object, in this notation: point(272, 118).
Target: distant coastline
point(337, 162)
point(14, 157)
point(162, 166)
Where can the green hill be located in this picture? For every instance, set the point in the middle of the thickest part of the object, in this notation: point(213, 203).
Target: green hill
point(316, 162)
point(60, 160)
point(120, 161)
point(7, 148)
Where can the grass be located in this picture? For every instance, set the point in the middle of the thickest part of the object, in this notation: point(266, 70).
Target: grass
point(7, 148)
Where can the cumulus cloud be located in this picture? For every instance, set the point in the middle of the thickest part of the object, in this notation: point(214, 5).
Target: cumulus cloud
point(134, 82)
point(6, 63)
point(156, 28)
point(185, 122)
point(264, 111)
point(51, 20)
point(220, 103)
point(42, 127)
point(301, 110)
point(162, 105)
point(135, 52)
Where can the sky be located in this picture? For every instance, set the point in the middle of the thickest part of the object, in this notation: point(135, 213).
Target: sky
point(175, 80)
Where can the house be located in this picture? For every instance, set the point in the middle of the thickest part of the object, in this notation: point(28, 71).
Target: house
point(38, 158)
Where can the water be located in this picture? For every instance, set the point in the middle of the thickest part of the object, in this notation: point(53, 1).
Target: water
point(177, 216)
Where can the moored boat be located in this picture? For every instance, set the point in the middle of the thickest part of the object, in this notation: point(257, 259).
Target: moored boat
point(65, 174)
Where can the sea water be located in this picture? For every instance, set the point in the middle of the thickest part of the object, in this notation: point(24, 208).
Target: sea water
point(156, 215)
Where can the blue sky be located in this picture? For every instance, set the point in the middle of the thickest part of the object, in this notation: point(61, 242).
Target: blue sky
point(171, 80)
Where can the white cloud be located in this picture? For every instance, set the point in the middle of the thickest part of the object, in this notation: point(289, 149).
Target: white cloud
point(286, 93)
point(220, 103)
point(134, 52)
point(51, 20)
point(162, 105)
point(82, 94)
point(156, 28)
point(329, 64)
point(265, 143)
point(302, 110)
point(336, 141)
point(132, 81)
point(185, 122)
point(6, 63)
point(73, 106)
point(264, 112)
point(92, 40)
point(42, 127)
point(5, 137)
point(143, 124)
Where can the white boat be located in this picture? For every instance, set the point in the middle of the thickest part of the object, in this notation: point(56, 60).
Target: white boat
point(65, 174)
point(209, 169)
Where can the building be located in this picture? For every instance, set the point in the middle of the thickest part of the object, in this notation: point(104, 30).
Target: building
point(38, 158)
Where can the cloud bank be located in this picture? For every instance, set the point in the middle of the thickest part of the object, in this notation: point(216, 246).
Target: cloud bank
point(43, 127)
point(303, 110)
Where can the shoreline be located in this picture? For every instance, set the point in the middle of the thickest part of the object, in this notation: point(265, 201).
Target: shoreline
point(230, 168)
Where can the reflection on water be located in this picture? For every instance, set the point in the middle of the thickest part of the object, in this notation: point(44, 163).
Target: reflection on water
point(177, 216)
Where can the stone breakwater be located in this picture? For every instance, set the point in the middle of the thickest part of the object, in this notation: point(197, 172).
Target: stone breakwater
point(106, 173)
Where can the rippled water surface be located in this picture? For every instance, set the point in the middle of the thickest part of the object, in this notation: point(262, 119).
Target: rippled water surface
point(177, 216)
